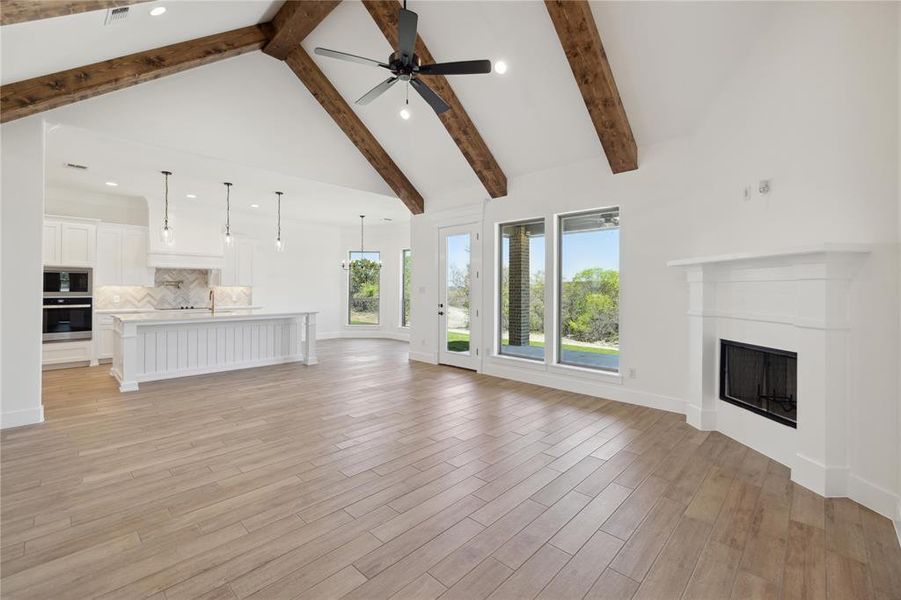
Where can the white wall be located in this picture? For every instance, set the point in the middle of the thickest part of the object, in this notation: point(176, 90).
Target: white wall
point(306, 276)
point(21, 217)
point(815, 109)
point(390, 239)
point(110, 208)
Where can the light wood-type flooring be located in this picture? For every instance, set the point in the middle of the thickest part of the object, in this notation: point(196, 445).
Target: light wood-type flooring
point(369, 477)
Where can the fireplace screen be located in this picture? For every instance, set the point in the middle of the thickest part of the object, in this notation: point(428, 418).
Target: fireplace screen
point(762, 380)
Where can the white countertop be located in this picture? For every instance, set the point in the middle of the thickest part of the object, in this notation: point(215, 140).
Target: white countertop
point(165, 317)
point(127, 311)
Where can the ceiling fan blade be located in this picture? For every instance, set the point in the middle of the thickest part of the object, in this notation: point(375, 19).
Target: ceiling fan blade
point(377, 91)
point(406, 33)
point(434, 100)
point(349, 57)
point(463, 67)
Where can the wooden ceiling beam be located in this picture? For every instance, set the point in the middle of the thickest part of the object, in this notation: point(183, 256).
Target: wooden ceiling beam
point(293, 22)
point(24, 98)
point(456, 121)
point(21, 11)
point(326, 94)
point(581, 42)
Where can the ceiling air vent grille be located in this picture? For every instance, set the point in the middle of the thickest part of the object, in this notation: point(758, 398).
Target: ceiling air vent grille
point(76, 166)
point(116, 15)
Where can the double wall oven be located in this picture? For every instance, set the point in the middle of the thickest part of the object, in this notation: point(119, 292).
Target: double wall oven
point(68, 304)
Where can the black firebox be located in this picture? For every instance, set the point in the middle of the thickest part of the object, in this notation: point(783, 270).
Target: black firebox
point(761, 380)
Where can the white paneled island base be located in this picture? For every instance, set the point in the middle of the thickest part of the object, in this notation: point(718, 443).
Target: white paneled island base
point(149, 347)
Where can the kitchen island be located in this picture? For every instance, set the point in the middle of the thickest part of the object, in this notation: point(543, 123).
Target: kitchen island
point(154, 346)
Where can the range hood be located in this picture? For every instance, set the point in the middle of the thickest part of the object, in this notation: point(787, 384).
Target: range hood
point(184, 260)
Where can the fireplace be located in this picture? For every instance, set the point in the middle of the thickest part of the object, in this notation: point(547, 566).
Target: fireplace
point(761, 380)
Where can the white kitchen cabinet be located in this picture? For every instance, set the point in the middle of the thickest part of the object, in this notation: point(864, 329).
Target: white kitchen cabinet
point(109, 256)
point(104, 337)
point(237, 268)
point(70, 242)
point(78, 244)
point(122, 256)
point(135, 271)
point(52, 238)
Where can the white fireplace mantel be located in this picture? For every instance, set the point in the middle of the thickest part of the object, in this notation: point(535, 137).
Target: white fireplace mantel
point(794, 299)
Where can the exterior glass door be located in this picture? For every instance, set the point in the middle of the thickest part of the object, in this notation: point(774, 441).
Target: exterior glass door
point(458, 308)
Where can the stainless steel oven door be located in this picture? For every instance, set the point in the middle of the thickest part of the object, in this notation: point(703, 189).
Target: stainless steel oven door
point(67, 319)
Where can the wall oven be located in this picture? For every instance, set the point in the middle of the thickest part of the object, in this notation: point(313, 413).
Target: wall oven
point(68, 305)
point(67, 318)
point(61, 282)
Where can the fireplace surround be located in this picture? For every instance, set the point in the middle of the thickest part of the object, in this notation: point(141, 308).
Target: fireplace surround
point(798, 301)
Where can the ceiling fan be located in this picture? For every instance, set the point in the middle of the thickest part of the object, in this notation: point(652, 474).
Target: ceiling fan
point(404, 65)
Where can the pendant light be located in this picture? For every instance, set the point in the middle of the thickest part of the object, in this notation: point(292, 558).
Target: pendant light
point(348, 264)
point(228, 233)
point(167, 236)
point(279, 244)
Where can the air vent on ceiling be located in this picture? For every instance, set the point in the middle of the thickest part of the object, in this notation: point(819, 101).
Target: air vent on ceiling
point(77, 166)
point(116, 15)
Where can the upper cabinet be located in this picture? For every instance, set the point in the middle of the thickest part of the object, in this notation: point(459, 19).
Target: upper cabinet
point(69, 243)
point(122, 256)
point(53, 233)
point(237, 269)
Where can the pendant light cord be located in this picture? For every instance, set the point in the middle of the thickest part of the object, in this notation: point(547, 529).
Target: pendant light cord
point(361, 235)
point(228, 188)
point(166, 216)
point(278, 233)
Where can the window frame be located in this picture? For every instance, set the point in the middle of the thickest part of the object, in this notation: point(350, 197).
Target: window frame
point(403, 287)
point(558, 292)
point(378, 312)
point(498, 282)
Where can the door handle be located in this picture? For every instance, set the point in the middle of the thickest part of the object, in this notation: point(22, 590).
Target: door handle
point(440, 312)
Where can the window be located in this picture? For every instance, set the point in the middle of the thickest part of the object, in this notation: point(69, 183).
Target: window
point(588, 289)
point(521, 331)
point(363, 288)
point(406, 275)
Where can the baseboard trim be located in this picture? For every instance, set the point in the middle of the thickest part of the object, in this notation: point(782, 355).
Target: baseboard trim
point(426, 357)
point(897, 521)
point(876, 498)
point(585, 386)
point(364, 334)
point(705, 420)
point(20, 418)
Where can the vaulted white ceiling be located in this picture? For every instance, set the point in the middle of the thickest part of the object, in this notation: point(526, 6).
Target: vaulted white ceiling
point(670, 60)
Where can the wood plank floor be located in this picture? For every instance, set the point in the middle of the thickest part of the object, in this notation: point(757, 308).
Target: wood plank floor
point(371, 477)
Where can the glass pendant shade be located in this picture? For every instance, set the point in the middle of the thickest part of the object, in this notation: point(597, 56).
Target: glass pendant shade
point(167, 236)
point(228, 239)
point(279, 245)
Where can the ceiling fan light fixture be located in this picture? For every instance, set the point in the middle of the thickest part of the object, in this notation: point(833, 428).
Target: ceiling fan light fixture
point(157, 11)
point(500, 67)
point(405, 113)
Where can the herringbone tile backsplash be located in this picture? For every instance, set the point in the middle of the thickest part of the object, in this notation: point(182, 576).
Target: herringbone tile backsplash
point(174, 288)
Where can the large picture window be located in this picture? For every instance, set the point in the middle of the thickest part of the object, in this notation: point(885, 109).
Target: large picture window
point(521, 331)
point(363, 288)
point(588, 289)
point(406, 275)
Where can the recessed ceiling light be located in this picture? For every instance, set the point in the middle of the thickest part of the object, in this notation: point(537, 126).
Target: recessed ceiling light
point(500, 67)
point(157, 11)
point(111, 183)
point(190, 195)
point(254, 206)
